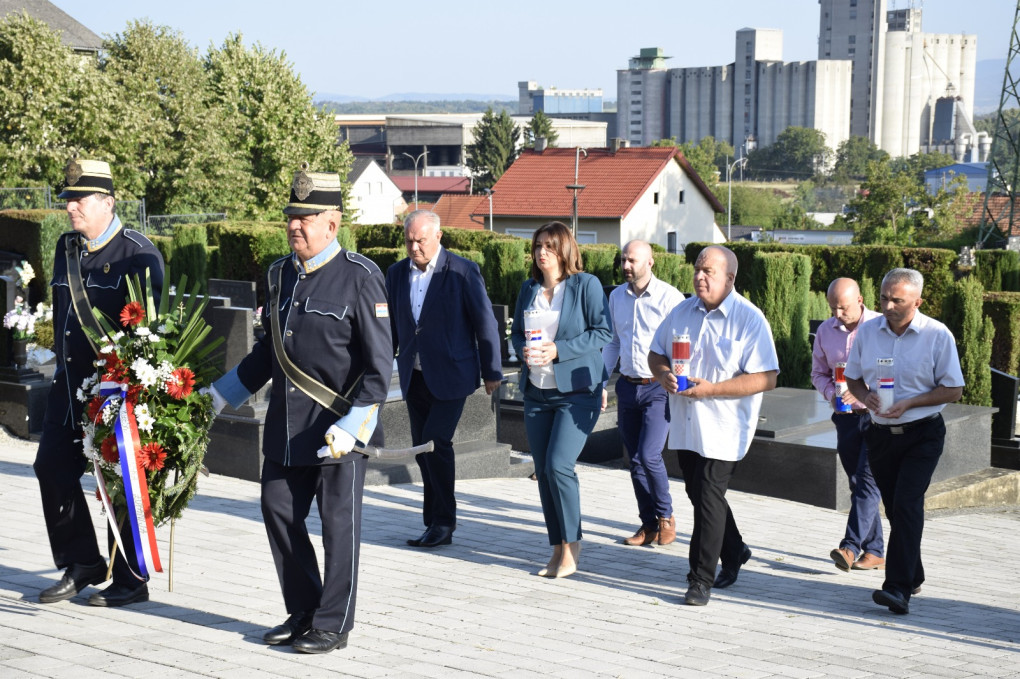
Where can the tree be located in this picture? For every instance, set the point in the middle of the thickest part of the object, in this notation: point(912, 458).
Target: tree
point(708, 157)
point(494, 147)
point(52, 102)
point(751, 206)
point(540, 125)
point(879, 213)
point(798, 153)
point(174, 151)
point(272, 126)
point(853, 156)
point(919, 163)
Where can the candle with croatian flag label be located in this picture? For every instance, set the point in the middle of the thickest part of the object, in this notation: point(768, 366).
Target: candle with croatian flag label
point(681, 359)
point(532, 332)
point(886, 384)
point(840, 380)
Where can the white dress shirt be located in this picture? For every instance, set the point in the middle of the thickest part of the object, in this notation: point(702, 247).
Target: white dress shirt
point(924, 357)
point(543, 376)
point(635, 320)
point(419, 284)
point(732, 339)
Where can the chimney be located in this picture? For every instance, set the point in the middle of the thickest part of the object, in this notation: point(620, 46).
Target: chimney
point(617, 143)
point(540, 144)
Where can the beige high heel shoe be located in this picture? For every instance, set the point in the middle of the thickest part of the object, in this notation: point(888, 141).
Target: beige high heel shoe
point(566, 570)
point(553, 566)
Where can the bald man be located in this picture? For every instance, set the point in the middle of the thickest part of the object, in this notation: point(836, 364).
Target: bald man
point(863, 546)
point(712, 422)
point(637, 308)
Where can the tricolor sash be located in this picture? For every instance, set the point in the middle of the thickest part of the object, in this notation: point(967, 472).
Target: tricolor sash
point(136, 491)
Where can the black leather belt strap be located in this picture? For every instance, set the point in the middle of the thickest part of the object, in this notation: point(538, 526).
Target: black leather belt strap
point(79, 300)
point(317, 391)
point(638, 380)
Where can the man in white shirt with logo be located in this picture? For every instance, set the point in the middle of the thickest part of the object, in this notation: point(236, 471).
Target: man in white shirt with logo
point(912, 360)
point(733, 360)
point(637, 308)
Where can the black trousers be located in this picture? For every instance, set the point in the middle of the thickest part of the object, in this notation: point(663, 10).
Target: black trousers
point(287, 494)
point(435, 420)
point(59, 465)
point(902, 465)
point(715, 535)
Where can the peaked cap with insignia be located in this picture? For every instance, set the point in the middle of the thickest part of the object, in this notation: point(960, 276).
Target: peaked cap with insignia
point(313, 192)
point(84, 177)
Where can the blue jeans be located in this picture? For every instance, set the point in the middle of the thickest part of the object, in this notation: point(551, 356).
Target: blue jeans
point(557, 426)
point(863, 525)
point(643, 418)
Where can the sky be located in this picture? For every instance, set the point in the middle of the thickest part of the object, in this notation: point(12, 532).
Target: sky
point(370, 49)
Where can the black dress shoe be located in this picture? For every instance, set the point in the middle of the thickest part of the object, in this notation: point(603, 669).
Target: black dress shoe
point(897, 603)
point(120, 595)
point(292, 628)
point(697, 594)
point(416, 542)
point(727, 576)
point(75, 579)
point(435, 536)
point(320, 641)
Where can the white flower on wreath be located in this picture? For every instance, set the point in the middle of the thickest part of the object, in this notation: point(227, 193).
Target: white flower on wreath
point(142, 331)
point(146, 374)
point(155, 339)
point(110, 411)
point(143, 418)
point(87, 442)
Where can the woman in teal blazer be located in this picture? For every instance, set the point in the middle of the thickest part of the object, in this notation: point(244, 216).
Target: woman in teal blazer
point(561, 323)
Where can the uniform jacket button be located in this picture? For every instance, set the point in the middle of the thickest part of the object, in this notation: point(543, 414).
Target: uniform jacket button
point(289, 333)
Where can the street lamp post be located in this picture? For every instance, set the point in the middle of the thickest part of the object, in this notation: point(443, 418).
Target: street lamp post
point(575, 187)
point(415, 160)
point(729, 190)
point(489, 193)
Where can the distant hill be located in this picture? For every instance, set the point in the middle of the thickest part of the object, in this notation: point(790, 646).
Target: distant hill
point(416, 106)
point(988, 85)
point(415, 96)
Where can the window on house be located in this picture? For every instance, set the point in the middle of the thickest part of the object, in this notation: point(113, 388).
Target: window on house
point(655, 198)
point(671, 242)
point(681, 196)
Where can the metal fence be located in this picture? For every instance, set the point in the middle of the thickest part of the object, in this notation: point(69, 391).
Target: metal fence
point(163, 225)
point(35, 198)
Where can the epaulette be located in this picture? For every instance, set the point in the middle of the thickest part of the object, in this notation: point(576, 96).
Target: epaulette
point(368, 264)
point(137, 237)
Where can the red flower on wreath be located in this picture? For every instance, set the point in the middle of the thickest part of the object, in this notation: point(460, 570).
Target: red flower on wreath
point(114, 369)
point(95, 407)
point(132, 314)
point(153, 456)
point(180, 383)
point(109, 450)
point(132, 393)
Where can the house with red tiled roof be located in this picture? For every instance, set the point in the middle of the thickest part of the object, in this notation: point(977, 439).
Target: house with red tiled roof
point(457, 211)
point(650, 193)
point(998, 212)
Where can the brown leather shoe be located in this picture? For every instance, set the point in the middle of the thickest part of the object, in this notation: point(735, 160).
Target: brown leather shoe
point(869, 562)
point(667, 531)
point(645, 535)
point(843, 558)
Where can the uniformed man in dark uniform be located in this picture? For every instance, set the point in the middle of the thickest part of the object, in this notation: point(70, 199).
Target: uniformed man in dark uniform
point(328, 316)
point(106, 255)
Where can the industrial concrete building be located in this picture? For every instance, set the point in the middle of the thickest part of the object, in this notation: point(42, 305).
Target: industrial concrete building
point(756, 97)
point(533, 98)
point(877, 76)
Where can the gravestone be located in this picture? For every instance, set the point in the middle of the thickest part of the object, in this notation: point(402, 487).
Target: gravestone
point(1005, 443)
point(240, 293)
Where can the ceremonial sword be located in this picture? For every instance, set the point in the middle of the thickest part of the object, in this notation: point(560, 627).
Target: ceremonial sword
point(380, 453)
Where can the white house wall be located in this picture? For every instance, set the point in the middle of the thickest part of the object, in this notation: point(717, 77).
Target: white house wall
point(375, 197)
point(693, 220)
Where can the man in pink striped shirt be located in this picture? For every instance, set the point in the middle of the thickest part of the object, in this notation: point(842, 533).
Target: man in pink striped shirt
point(862, 547)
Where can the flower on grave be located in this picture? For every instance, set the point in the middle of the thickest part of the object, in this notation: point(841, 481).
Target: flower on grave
point(20, 320)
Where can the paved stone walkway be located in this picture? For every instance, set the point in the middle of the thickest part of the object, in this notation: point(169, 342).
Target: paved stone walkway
point(474, 609)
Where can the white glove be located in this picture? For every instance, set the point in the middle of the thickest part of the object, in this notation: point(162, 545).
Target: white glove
point(338, 443)
point(218, 402)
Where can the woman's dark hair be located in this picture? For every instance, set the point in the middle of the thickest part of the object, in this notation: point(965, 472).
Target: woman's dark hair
point(563, 244)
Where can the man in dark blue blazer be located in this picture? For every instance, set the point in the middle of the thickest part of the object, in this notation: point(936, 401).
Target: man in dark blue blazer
point(446, 341)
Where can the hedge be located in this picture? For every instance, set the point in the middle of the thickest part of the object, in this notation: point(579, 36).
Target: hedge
point(190, 255)
point(600, 261)
point(34, 234)
point(384, 258)
point(246, 251)
point(998, 270)
point(964, 316)
point(673, 270)
point(506, 266)
point(779, 287)
point(1003, 308)
point(472, 255)
point(379, 236)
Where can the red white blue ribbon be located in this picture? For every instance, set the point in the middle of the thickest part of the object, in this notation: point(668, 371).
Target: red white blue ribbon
point(136, 491)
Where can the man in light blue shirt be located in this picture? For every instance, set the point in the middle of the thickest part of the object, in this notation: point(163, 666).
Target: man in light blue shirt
point(637, 308)
point(912, 360)
point(712, 422)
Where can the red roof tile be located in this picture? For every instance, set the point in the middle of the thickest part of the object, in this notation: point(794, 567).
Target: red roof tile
point(455, 211)
point(535, 185)
point(998, 210)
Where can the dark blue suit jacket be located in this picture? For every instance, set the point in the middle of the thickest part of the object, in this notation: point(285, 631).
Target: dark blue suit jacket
point(456, 337)
point(585, 327)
